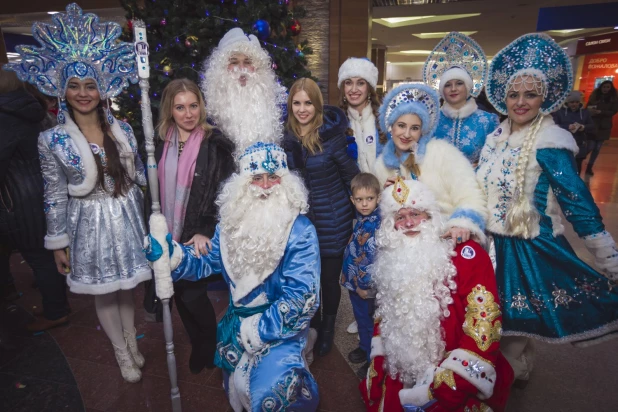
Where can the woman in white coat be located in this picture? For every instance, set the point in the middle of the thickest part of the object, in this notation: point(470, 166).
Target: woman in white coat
point(410, 114)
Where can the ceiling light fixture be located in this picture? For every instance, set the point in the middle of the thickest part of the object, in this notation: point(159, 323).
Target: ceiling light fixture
point(440, 34)
point(412, 20)
point(53, 12)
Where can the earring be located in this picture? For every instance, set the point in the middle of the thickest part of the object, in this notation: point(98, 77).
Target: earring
point(369, 99)
point(110, 116)
point(344, 99)
point(62, 109)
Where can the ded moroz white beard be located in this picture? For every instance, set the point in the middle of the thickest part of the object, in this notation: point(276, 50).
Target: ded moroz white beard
point(414, 278)
point(256, 227)
point(245, 114)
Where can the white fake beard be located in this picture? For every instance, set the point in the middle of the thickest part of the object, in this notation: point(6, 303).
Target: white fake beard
point(256, 223)
point(245, 114)
point(414, 278)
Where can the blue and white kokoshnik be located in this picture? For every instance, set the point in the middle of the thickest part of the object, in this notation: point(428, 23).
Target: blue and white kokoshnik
point(262, 158)
point(76, 45)
point(412, 98)
point(537, 55)
point(456, 50)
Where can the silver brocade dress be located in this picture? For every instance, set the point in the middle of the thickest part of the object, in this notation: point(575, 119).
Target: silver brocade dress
point(104, 234)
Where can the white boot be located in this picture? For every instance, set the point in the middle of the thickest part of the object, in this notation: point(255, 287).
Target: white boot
point(132, 342)
point(352, 328)
point(129, 370)
point(312, 336)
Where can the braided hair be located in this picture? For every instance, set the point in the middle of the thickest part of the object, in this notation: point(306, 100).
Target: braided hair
point(522, 216)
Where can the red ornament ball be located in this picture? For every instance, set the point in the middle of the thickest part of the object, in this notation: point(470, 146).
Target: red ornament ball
point(188, 43)
point(274, 66)
point(163, 22)
point(130, 24)
point(295, 27)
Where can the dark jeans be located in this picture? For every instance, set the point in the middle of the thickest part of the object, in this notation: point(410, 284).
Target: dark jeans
point(363, 314)
point(198, 315)
point(52, 285)
point(6, 279)
point(330, 289)
point(596, 148)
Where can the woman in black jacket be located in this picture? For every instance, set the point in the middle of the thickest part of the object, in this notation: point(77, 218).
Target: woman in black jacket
point(22, 217)
point(315, 144)
point(602, 105)
point(192, 163)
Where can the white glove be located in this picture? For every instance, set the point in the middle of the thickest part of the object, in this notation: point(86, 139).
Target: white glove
point(419, 394)
point(603, 247)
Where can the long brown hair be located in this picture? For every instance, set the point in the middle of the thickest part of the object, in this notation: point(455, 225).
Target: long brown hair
point(114, 167)
point(375, 102)
point(166, 119)
point(311, 140)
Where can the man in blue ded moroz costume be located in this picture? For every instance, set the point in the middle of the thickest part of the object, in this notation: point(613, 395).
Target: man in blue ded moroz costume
point(268, 252)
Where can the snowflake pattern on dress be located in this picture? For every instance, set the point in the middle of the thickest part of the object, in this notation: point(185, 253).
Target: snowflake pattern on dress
point(467, 134)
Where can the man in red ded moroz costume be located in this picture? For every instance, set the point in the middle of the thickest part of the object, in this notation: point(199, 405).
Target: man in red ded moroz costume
point(438, 323)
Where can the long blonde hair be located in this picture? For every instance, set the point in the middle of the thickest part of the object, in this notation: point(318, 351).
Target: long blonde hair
point(311, 140)
point(166, 119)
point(522, 216)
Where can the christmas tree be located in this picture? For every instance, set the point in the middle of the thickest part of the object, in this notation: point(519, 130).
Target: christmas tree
point(182, 33)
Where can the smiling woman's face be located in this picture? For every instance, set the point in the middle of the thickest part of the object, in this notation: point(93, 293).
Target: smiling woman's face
point(406, 132)
point(83, 95)
point(524, 102)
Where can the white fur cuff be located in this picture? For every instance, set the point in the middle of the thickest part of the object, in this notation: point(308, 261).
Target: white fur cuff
point(56, 242)
point(417, 396)
point(603, 247)
point(177, 255)
point(377, 348)
point(250, 335)
point(475, 370)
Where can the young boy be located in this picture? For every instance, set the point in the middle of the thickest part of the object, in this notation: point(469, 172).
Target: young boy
point(357, 262)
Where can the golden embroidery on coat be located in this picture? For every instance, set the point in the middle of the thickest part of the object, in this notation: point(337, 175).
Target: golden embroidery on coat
point(481, 311)
point(445, 376)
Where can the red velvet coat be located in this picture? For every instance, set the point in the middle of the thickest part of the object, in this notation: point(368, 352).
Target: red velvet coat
point(473, 376)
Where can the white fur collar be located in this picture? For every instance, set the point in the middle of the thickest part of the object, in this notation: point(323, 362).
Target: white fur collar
point(245, 284)
point(125, 150)
point(88, 163)
point(549, 136)
point(467, 109)
point(365, 113)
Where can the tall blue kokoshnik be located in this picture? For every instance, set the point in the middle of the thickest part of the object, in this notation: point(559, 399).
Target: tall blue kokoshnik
point(77, 45)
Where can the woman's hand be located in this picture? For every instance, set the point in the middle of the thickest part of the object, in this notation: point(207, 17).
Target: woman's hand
point(362, 293)
point(201, 243)
point(62, 261)
point(390, 181)
point(458, 234)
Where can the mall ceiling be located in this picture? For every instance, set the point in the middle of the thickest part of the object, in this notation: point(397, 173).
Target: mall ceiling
point(410, 31)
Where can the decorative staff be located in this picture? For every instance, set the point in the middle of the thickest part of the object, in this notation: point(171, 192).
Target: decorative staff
point(158, 224)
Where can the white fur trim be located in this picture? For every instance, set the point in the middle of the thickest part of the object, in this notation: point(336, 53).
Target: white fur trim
point(358, 67)
point(250, 335)
point(417, 396)
point(456, 73)
point(467, 109)
point(104, 288)
point(232, 394)
point(473, 372)
point(553, 211)
point(235, 36)
point(603, 248)
point(161, 267)
point(125, 150)
point(88, 163)
point(377, 347)
point(177, 255)
point(244, 285)
point(366, 135)
point(56, 242)
point(420, 197)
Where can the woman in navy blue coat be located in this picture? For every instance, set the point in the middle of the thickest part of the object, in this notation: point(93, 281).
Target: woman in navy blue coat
point(315, 144)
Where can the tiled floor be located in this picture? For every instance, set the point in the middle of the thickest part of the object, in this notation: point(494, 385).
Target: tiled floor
point(72, 368)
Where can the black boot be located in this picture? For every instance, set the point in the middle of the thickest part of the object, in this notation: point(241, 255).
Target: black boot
point(325, 343)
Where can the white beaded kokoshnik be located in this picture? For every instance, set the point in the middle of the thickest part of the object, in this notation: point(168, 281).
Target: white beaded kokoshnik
point(456, 50)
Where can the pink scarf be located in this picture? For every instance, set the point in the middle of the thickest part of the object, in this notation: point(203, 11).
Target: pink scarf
point(176, 176)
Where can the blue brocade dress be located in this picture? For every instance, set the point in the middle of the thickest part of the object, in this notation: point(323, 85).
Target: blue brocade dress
point(466, 131)
point(547, 292)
